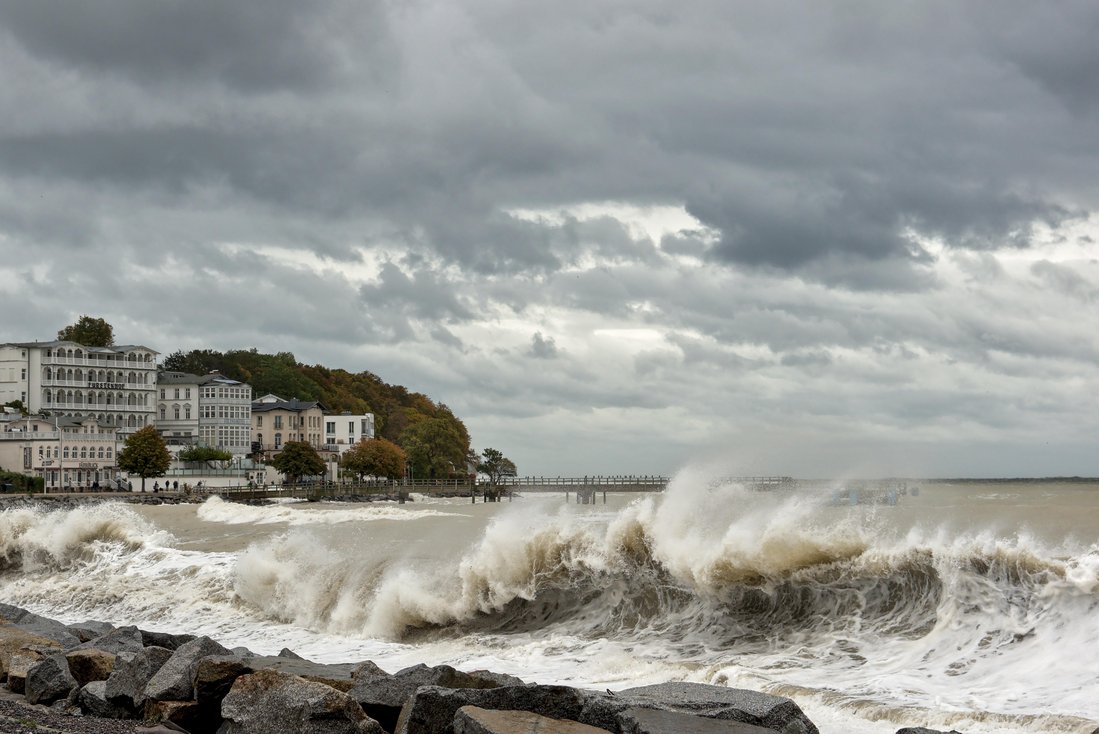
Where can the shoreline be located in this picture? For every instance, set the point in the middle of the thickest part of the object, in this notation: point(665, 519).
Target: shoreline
point(97, 678)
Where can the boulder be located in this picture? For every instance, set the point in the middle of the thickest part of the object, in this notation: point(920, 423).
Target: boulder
point(49, 680)
point(474, 720)
point(87, 665)
point(187, 715)
point(272, 702)
point(286, 652)
point(383, 695)
point(41, 626)
point(336, 675)
point(718, 702)
point(132, 671)
point(19, 664)
point(122, 639)
point(431, 709)
point(214, 676)
point(166, 640)
point(13, 639)
point(90, 630)
point(174, 680)
point(92, 700)
point(657, 721)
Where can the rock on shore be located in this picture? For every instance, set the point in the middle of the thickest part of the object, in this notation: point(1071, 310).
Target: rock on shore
point(193, 684)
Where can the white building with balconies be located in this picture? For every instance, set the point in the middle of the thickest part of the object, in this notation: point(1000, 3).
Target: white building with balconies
point(68, 453)
point(344, 430)
point(205, 410)
point(114, 385)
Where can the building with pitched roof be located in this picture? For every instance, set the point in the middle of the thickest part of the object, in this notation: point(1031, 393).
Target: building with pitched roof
point(204, 410)
point(67, 452)
point(276, 421)
point(115, 385)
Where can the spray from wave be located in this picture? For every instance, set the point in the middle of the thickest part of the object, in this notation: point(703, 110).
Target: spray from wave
point(215, 509)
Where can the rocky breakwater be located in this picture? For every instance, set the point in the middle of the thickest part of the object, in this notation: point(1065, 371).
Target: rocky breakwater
point(193, 684)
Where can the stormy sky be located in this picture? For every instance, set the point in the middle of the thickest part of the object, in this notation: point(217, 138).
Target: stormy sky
point(815, 238)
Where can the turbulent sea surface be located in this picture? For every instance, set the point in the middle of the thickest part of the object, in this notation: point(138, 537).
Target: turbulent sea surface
point(967, 606)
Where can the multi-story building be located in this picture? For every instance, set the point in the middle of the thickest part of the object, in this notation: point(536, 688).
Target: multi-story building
point(344, 430)
point(206, 410)
point(114, 385)
point(276, 421)
point(67, 452)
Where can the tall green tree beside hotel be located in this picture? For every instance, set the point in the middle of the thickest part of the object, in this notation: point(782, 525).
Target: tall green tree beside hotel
point(89, 331)
point(145, 454)
point(298, 459)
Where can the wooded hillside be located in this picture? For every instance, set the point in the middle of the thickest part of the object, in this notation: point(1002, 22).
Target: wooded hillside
point(436, 440)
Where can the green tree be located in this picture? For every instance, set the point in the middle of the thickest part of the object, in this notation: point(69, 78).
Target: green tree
point(204, 453)
point(435, 448)
point(18, 405)
point(145, 454)
point(496, 466)
point(89, 331)
point(298, 459)
point(375, 457)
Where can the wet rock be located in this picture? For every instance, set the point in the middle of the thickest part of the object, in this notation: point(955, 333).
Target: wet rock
point(174, 680)
point(718, 702)
point(657, 721)
point(474, 720)
point(49, 680)
point(286, 652)
point(19, 664)
point(214, 676)
point(90, 630)
point(87, 665)
point(92, 699)
point(431, 709)
point(122, 639)
point(336, 675)
point(14, 639)
point(383, 695)
point(41, 626)
point(272, 702)
point(166, 640)
point(132, 671)
point(185, 714)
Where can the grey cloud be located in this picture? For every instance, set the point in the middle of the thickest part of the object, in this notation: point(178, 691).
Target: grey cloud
point(254, 47)
point(542, 347)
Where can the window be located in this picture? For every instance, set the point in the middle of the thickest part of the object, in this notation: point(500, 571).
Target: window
point(177, 394)
point(162, 391)
point(163, 412)
point(187, 393)
point(65, 452)
point(109, 452)
point(351, 429)
point(259, 421)
point(278, 422)
point(23, 374)
point(278, 440)
point(175, 412)
point(100, 452)
point(330, 427)
point(187, 411)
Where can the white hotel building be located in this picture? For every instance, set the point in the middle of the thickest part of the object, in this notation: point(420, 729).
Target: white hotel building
point(68, 453)
point(114, 385)
point(205, 410)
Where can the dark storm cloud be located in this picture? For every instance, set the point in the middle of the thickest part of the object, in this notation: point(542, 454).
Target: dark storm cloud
point(251, 46)
point(542, 347)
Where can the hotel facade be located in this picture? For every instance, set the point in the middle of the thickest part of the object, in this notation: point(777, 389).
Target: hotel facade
point(114, 385)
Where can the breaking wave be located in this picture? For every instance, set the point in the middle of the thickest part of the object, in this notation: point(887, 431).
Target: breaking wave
point(217, 510)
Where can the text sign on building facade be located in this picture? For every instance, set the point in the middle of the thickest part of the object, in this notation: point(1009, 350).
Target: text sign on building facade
point(107, 385)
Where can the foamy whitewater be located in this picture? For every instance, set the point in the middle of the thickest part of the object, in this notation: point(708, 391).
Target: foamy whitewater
point(971, 607)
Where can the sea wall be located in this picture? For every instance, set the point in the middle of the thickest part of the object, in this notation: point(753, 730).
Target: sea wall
point(179, 682)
